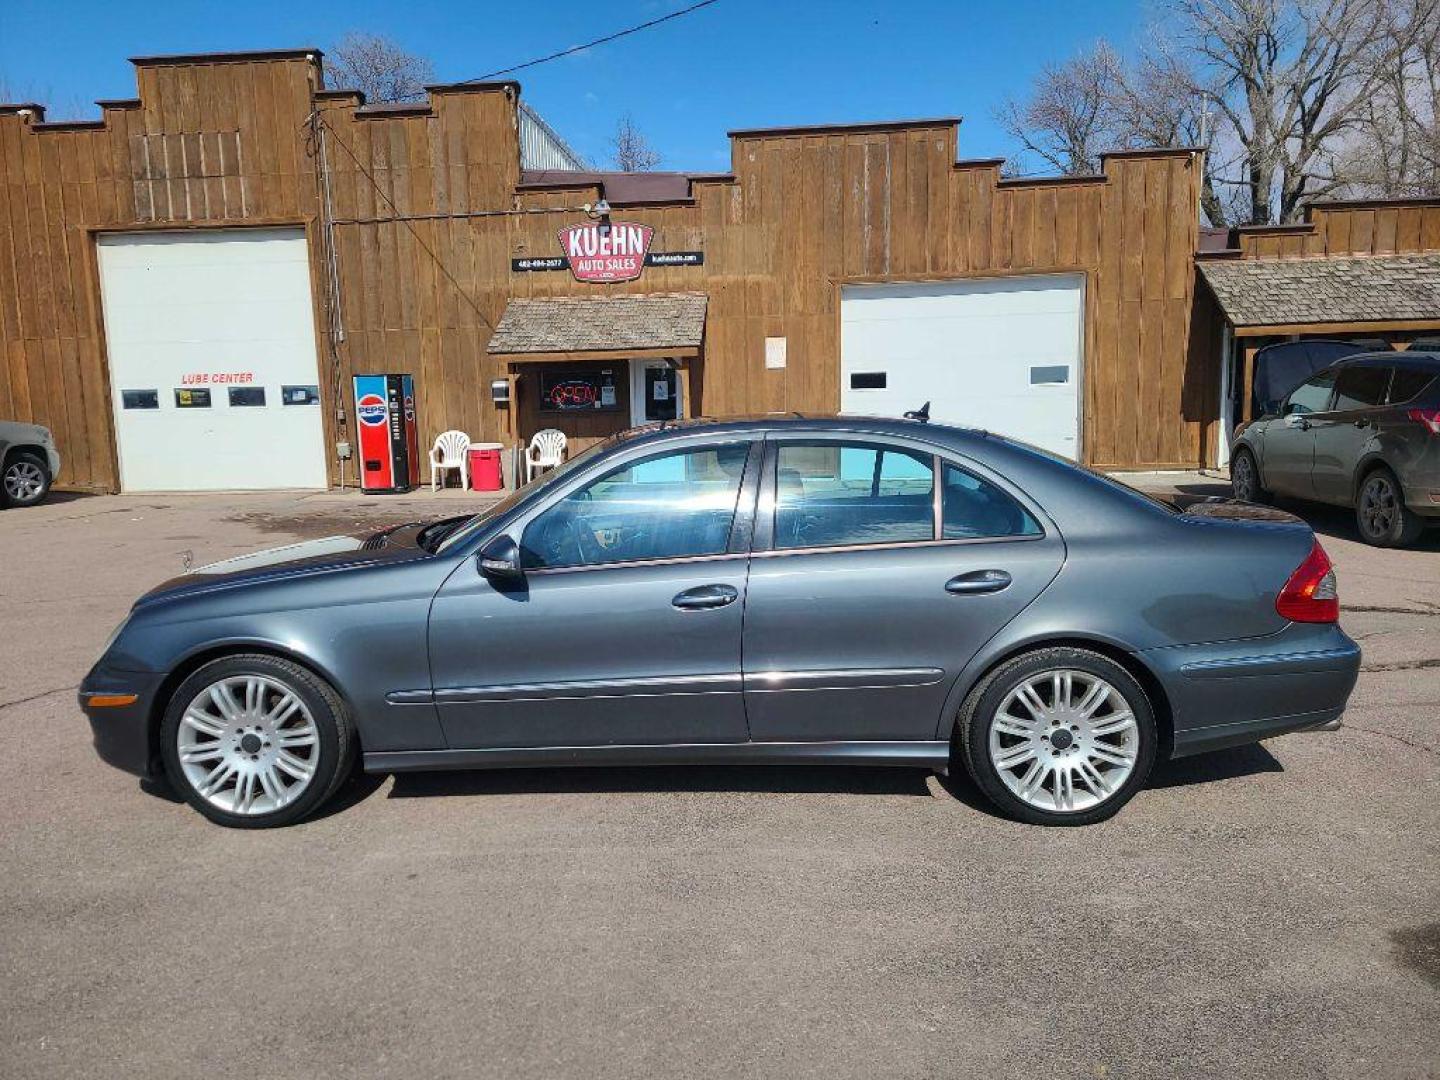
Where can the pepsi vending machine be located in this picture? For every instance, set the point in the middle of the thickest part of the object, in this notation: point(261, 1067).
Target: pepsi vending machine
point(385, 422)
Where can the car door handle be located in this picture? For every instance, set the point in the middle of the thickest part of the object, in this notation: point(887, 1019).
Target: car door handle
point(706, 596)
point(978, 581)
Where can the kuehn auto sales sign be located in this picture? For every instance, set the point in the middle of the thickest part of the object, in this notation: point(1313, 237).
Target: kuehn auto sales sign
point(606, 251)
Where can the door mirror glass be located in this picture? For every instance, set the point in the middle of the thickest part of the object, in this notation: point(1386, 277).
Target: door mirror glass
point(674, 505)
point(500, 560)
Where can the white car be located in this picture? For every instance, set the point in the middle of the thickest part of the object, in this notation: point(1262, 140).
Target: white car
point(30, 463)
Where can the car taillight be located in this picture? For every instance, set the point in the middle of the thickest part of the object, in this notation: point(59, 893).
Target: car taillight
point(1429, 417)
point(1311, 594)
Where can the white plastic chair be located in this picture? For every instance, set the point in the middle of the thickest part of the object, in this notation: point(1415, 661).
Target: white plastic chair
point(451, 451)
point(546, 450)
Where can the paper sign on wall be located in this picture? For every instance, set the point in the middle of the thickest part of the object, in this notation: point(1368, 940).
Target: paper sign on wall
point(774, 352)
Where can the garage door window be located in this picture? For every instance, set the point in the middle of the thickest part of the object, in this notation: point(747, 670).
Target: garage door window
point(192, 399)
point(247, 397)
point(974, 509)
point(834, 494)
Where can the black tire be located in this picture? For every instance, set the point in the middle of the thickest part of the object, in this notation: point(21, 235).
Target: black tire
point(23, 464)
point(1381, 516)
point(981, 706)
point(336, 737)
point(1245, 478)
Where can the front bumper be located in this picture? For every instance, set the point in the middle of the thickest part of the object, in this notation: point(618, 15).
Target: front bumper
point(52, 457)
point(123, 734)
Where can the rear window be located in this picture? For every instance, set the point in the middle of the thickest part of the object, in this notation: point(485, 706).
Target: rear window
point(1360, 388)
point(1408, 384)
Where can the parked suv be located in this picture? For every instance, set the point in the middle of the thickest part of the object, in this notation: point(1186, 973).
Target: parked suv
point(1364, 433)
point(28, 463)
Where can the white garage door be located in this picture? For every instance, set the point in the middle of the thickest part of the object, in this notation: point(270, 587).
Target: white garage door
point(1001, 354)
point(212, 360)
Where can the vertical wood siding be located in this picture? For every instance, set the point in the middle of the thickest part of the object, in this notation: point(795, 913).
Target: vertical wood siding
point(226, 144)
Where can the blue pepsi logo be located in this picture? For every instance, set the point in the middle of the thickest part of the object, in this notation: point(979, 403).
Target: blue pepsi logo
point(371, 410)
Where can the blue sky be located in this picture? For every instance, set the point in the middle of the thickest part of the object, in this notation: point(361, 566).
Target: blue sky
point(738, 63)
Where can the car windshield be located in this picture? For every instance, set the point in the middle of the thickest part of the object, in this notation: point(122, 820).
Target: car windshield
point(466, 529)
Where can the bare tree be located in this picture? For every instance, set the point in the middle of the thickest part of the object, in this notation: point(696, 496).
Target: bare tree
point(1395, 150)
point(1290, 79)
point(1069, 116)
point(632, 151)
point(1274, 90)
point(379, 68)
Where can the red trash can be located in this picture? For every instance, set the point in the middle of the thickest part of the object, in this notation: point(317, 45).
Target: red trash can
point(485, 474)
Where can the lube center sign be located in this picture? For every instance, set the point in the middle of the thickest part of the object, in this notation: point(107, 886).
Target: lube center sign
point(606, 251)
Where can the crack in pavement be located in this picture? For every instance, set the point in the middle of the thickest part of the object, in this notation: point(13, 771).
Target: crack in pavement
point(1403, 665)
point(1385, 609)
point(36, 697)
point(1391, 735)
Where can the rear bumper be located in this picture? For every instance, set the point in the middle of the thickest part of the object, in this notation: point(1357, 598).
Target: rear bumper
point(1231, 693)
point(122, 733)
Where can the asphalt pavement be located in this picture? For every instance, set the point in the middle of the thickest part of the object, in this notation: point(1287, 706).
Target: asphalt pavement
point(1267, 911)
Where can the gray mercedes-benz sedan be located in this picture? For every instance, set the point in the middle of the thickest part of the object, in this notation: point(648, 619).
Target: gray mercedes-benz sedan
point(831, 589)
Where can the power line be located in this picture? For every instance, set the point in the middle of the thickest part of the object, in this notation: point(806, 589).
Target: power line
point(598, 41)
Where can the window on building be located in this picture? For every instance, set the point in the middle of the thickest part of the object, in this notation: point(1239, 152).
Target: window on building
point(1408, 383)
point(668, 506)
point(832, 494)
point(973, 509)
point(247, 397)
point(1360, 388)
point(191, 398)
point(1311, 396)
point(140, 399)
point(300, 395)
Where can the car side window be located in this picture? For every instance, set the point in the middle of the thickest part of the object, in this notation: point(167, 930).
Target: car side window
point(671, 505)
point(973, 509)
point(1407, 384)
point(829, 494)
point(1311, 396)
point(1360, 388)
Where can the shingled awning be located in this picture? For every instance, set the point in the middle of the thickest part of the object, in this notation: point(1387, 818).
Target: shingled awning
point(582, 327)
point(1261, 294)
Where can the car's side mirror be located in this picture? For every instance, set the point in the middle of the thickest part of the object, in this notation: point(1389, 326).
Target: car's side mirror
point(500, 560)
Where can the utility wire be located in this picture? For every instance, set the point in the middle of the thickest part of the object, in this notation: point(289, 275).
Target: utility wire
point(598, 41)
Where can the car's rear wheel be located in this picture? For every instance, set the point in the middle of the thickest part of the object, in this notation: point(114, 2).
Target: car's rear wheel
point(25, 479)
point(1381, 514)
point(1245, 478)
point(1059, 736)
point(253, 741)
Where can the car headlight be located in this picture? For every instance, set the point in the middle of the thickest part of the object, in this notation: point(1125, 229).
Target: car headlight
point(113, 635)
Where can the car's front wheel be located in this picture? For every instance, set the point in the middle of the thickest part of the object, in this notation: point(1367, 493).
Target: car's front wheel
point(25, 479)
point(1381, 514)
point(253, 741)
point(1059, 736)
point(1245, 478)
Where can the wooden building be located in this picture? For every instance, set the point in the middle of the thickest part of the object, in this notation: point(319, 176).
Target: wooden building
point(229, 247)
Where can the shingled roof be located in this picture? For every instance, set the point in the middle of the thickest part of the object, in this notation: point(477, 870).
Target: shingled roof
point(570, 324)
point(1285, 292)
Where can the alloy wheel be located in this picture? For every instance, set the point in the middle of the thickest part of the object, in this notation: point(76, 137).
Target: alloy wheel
point(1378, 506)
point(248, 745)
point(1064, 740)
point(1242, 478)
point(24, 481)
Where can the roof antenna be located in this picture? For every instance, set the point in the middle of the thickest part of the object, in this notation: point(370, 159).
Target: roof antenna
point(922, 414)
